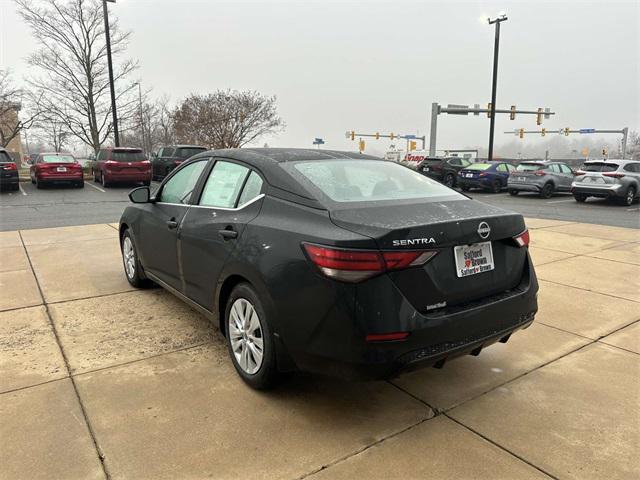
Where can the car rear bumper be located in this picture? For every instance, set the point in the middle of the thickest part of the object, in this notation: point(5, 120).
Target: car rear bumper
point(433, 339)
point(604, 191)
point(484, 182)
point(58, 177)
point(11, 178)
point(128, 176)
point(524, 187)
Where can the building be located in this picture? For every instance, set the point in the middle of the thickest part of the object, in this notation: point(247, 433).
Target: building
point(8, 121)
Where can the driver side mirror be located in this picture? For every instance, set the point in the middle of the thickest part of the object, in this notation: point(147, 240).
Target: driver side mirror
point(140, 195)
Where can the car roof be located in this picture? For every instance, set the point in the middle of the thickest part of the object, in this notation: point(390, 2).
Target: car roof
point(612, 160)
point(185, 146)
point(121, 149)
point(56, 153)
point(269, 161)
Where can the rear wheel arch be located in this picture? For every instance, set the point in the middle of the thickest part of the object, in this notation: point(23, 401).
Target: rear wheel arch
point(224, 292)
point(123, 228)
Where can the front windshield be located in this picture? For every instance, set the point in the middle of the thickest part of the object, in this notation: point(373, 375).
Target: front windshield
point(367, 180)
point(58, 159)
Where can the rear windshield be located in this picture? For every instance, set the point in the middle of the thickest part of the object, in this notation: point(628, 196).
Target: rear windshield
point(127, 156)
point(58, 159)
point(4, 157)
point(366, 180)
point(188, 152)
point(600, 167)
point(479, 166)
point(528, 167)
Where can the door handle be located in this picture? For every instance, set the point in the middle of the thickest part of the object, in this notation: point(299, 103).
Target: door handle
point(228, 233)
point(171, 224)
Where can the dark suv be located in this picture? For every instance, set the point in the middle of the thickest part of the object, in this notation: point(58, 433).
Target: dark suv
point(8, 171)
point(169, 158)
point(443, 169)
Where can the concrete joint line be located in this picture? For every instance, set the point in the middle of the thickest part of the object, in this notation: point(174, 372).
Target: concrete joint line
point(492, 442)
point(85, 415)
point(587, 290)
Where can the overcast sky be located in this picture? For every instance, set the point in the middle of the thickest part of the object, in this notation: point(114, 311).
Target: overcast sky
point(377, 66)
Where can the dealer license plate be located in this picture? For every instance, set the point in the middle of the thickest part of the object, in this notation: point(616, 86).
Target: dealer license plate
point(61, 169)
point(473, 259)
point(521, 179)
point(469, 175)
point(425, 169)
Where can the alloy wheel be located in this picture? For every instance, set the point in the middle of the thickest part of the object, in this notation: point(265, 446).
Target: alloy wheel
point(449, 181)
point(245, 335)
point(631, 194)
point(129, 256)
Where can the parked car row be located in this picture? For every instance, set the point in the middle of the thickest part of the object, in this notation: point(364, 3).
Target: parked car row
point(614, 179)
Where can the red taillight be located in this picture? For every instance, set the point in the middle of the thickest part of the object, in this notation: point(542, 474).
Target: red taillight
point(386, 337)
point(110, 162)
point(177, 162)
point(580, 172)
point(613, 174)
point(522, 240)
point(9, 166)
point(539, 173)
point(358, 265)
point(483, 174)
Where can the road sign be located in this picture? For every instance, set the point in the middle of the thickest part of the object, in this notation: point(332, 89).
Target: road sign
point(587, 130)
point(318, 141)
point(463, 109)
point(409, 137)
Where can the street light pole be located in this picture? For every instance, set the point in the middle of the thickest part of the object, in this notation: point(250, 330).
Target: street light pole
point(144, 145)
point(501, 18)
point(116, 136)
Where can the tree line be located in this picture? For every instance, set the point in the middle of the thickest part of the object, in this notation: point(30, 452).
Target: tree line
point(65, 100)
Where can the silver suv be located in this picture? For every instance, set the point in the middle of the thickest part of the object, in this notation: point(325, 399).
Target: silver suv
point(541, 177)
point(615, 179)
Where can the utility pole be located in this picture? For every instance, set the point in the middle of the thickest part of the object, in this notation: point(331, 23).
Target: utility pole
point(105, 11)
point(144, 146)
point(501, 18)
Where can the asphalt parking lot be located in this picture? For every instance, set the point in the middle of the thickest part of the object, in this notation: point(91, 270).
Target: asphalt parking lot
point(64, 206)
point(100, 381)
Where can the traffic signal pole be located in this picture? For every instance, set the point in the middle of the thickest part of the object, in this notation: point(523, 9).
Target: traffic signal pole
point(494, 85)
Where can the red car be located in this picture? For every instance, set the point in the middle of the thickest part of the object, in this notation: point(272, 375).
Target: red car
point(49, 168)
point(119, 164)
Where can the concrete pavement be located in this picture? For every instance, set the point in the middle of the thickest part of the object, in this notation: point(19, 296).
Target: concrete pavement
point(101, 381)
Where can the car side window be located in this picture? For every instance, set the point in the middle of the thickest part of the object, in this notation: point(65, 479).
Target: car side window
point(566, 169)
point(455, 161)
point(511, 168)
point(102, 154)
point(502, 167)
point(223, 185)
point(555, 168)
point(252, 188)
point(167, 152)
point(179, 187)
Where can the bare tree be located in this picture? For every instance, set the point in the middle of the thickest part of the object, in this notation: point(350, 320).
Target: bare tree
point(12, 101)
point(226, 118)
point(152, 127)
point(72, 58)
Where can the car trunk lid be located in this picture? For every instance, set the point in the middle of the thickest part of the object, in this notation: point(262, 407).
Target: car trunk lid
point(443, 226)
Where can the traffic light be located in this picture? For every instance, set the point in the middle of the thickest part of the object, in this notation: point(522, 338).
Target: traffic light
point(412, 145)
point(392, 136)
point(361, 145)
point(521, 133)
point(353, 135)
point(512, 115)
point(377, 135)
point(539, 117)
point(488, 110)
point(566, 131)
point(543, 132)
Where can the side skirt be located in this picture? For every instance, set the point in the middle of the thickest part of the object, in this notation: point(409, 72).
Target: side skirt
point(196, 306)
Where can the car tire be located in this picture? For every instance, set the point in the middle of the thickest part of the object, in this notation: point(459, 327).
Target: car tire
point(465, 188)
point(513, 193)
point(80, 184)
point(629, 196)
point(131, 262)
point(147, 183)
point(496, 186)
point(95, 177)
point(547, 190)
point(255, 364)
point(579, 197)
point(33, 181)
point(39, 184)
point(15, 187)
point(449, 180)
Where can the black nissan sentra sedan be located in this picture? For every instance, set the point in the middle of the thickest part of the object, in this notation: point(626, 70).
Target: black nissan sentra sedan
point(330, 262)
